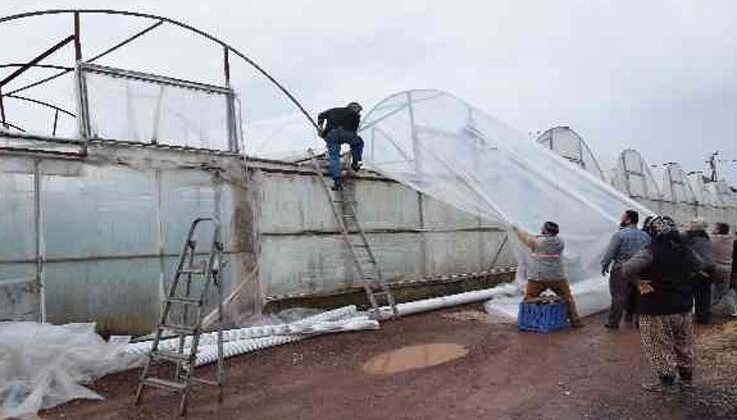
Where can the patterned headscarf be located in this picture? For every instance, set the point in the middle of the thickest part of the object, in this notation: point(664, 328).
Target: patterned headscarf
point(661, 226)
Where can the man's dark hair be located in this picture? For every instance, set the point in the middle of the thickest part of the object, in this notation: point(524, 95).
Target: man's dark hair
point(633, 215)
point(550, 228)
point(722, 228)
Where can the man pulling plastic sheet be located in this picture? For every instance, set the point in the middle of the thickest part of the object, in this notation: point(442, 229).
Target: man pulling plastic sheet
point(443, 147)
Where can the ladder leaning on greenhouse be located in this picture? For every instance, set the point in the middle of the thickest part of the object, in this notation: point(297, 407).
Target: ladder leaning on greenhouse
point(364, 261)
point(188, 328)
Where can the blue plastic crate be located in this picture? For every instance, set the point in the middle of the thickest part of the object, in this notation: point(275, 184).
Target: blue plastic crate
point(542, 317)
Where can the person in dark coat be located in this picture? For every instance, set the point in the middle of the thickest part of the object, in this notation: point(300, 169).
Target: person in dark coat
point(339, 126)
point(663, 272)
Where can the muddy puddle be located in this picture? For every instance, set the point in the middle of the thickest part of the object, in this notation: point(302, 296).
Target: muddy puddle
point(414, 357)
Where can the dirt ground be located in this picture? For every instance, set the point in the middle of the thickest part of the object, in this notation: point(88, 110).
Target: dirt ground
point(591, 373)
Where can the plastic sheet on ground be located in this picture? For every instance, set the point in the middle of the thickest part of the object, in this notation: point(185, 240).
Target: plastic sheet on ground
point(446, 148)
point(43, 365)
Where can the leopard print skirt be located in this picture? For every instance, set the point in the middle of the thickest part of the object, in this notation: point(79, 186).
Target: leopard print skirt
point(667, 341)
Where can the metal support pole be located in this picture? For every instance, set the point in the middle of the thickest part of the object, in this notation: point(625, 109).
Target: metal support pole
point(416, 154)
point(38, 241)
point(226, 65)
point(77, 39)
point(56, 122)
point(2, 110)
point(230, 104)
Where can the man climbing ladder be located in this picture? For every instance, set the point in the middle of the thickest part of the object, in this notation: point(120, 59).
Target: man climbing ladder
point(341, 127)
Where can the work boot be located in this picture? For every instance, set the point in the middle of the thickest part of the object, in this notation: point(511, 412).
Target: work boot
point(665, 384)
point(337, 185)
point(611, 326)
point(356, 166)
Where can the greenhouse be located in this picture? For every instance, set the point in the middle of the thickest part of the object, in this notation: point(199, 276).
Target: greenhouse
point(102, 187)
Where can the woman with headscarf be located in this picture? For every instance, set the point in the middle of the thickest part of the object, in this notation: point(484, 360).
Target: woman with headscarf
point(663, 272)
point(546, 267)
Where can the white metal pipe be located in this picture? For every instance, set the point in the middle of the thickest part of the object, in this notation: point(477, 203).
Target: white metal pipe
point(208, 353)
point(409, 308)
point(297, 327)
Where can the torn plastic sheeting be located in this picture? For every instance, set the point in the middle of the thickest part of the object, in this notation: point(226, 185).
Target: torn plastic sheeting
point(42, 365)
point(455, 153)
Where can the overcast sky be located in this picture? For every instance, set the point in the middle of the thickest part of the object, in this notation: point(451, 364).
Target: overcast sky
point(658, 76)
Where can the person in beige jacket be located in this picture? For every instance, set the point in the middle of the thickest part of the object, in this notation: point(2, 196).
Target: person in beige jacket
point(546, 268)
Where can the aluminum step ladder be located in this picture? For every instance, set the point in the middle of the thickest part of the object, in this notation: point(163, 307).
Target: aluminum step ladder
point(207, 272)
point(342, 205)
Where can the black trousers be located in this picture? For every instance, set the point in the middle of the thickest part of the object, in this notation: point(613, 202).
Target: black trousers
point(702, 297)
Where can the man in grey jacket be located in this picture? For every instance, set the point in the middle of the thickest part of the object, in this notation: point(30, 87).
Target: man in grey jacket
point(546, 268)
point(623, 245)
point(698, 241)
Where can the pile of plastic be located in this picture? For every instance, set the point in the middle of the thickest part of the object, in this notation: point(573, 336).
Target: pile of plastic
point(43, 365)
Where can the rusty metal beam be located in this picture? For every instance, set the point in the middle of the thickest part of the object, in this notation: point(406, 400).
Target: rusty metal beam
point(226, 65)
point(2, 109)
point(97, 57)
point(7, 124)
point(77, 38)
point(177, 23)
point(36, 60)
point(43, 66)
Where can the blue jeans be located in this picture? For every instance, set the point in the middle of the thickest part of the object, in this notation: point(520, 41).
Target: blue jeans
point(335, 138)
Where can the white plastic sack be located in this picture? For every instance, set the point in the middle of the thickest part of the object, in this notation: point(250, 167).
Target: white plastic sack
point(43, 365)
point(446, 148)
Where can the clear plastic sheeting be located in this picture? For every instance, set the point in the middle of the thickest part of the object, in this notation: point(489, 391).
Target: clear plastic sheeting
point(447, 149)
point(44, 365)
point(122, 108)
point(567, 143)
point(632, 175)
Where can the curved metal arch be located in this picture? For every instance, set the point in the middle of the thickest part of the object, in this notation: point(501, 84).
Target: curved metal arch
point(39, 102)
point(11, 125)
point(581, 142)
point(175, 23)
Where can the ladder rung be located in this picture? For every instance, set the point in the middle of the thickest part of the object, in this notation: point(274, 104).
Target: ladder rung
point(204, 381)
point(345, 201)
point(165, 384)
point(179, 299)
point(178, 328)
point(349, 216)
point(171, 356)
